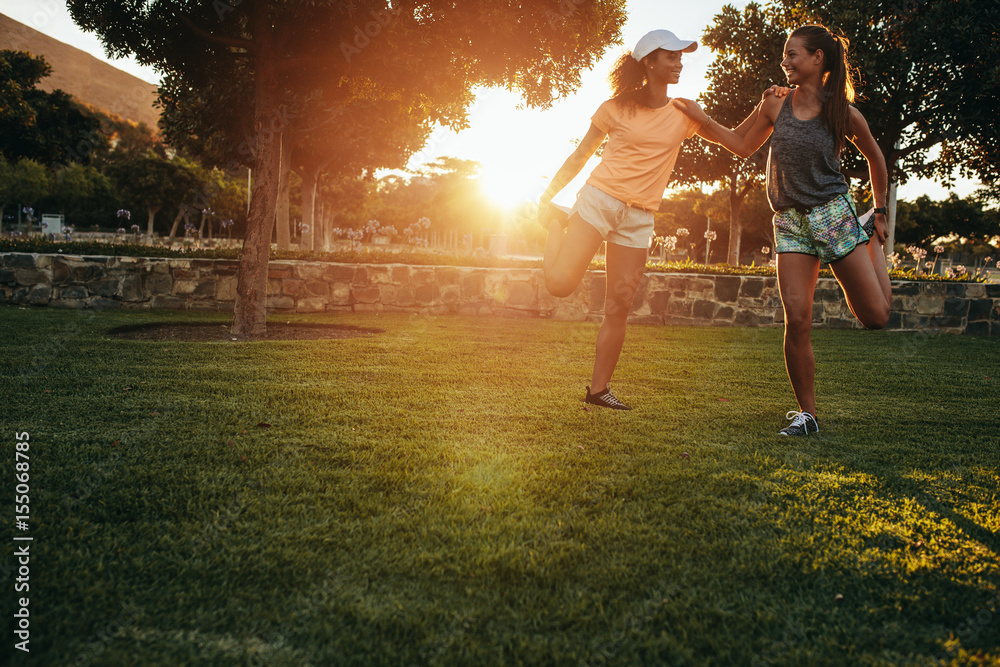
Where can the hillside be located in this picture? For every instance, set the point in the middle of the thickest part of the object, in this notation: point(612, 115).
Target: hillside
point(83, 76)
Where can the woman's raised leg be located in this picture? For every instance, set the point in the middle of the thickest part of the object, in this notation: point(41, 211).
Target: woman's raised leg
point(865, 281)
point(797, 275)
point(568, 254)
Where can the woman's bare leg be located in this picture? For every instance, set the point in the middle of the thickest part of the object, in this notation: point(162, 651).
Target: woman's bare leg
point(865, 281)
point(876, 251)
point(625, 268)
point(568, 254)
point(797, 275)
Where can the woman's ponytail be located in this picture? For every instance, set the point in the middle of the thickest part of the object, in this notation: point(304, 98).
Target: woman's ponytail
point(838, 79)
point(627, 79)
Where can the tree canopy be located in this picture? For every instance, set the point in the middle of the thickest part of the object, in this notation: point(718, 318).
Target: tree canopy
point(34, 124)
point(428, 54)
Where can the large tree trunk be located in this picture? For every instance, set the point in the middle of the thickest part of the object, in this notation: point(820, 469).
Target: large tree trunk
point(250, 312)
point(283, 229)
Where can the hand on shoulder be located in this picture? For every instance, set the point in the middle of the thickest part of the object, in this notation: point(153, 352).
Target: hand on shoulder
point(771, 105)
point(776, 91)
point(691, 109)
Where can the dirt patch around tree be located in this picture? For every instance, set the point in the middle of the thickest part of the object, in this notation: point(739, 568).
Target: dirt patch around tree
point(214, 331)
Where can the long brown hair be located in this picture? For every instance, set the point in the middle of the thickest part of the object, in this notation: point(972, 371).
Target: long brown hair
point(627, 79)
point(838, 78)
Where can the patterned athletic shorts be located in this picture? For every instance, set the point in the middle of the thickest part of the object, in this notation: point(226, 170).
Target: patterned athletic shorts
point(829, 231)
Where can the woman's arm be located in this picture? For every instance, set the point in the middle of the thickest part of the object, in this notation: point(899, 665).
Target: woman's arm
point(574, 165)
point(742, 145)
point(877, 172)
point(748, 122)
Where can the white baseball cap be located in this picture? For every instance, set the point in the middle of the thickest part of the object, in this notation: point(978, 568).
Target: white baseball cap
point(662, 39)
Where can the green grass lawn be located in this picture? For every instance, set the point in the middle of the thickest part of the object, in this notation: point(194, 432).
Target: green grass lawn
point(437, 494)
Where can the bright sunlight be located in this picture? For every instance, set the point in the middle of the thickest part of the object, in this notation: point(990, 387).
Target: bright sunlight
point(507, 185)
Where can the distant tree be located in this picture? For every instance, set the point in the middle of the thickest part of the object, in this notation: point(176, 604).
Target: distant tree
point(457, 202)
point(82, 193)
point(74, 185)
point(229, 200)
point(923, 220)
point(677, 211)
point(758, 231)
point(153, 182)
point(431, 54)
point(125, 139)
point(399, 201)
point(681, 215)
point(346, 141)
point(447, 191)
point(745, 43)
point(6, 185)
point(755, 228)
point(34, 124)
point(29, 183)
point(349, 201)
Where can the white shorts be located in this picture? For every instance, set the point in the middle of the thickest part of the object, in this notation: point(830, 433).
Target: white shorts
point(615, 221)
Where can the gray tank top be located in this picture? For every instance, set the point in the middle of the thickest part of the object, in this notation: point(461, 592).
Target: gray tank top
point(803, 169)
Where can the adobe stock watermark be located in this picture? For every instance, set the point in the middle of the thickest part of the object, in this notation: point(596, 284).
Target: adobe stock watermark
point(332, 586)
point(363, 35)
point(223, 9)
point(971, 626)
point(146, 430)
point(224, 519)
point(46, 11)
point(793, 637)
point(638, 621)
point(103, 637)
point(567, 8)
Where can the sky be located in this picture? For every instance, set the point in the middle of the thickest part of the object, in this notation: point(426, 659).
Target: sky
point(518, 149)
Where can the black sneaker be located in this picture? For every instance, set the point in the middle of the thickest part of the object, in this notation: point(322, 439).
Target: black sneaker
point(803, 423)
point(605, 399)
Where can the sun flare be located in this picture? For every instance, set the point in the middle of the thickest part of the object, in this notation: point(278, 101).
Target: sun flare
point(508, 185)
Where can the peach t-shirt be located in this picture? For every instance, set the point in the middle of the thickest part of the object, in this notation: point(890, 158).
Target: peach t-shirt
point(641, 151)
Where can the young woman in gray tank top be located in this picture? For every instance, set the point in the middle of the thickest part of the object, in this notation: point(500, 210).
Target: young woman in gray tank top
point(814, 220)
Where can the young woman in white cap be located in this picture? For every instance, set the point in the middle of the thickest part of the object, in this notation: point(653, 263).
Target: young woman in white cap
point(644, 133)
point(814, 217)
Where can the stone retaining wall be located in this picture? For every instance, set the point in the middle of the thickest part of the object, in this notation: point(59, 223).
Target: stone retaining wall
point(306, 287)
